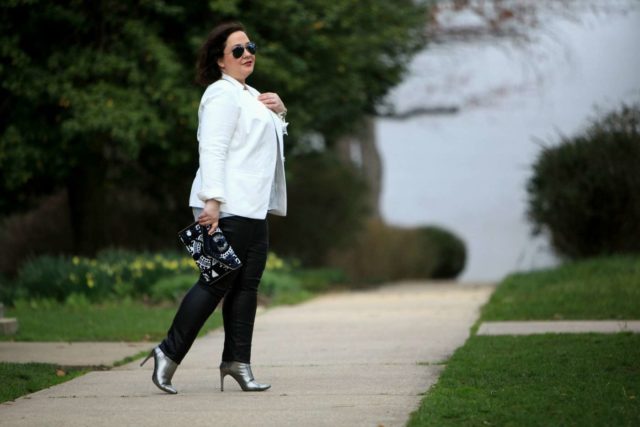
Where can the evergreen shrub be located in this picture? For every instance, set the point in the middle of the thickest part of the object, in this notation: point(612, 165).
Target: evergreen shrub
point(328, 202)
point(584, 191)
point(383, 252)
point(446, 250)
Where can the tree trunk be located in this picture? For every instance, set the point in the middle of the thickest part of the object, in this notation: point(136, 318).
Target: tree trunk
point(87, 206)
point(360, 149)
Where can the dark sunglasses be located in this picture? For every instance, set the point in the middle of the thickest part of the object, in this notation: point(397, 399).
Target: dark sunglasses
point(238, 50)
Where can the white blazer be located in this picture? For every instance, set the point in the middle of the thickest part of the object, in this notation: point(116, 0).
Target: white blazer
point(241, 152)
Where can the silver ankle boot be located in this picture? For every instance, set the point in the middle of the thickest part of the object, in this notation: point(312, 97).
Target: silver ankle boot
point(163, 370)
point(240, 372)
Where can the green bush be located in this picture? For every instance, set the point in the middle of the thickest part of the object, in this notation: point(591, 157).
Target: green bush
point(385, 253)
point(172, 288)
point(279, 283)
point(77, 301)
point(320, 279)
point(162, 277)
point(584, 192)
point(111, 273)
point(445, 249)
point(284, 282)
point(7, 290)
point(54, 277)
point(274, 282)
point(329, 208)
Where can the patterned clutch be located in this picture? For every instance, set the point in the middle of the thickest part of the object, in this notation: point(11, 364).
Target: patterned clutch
point(213, 254)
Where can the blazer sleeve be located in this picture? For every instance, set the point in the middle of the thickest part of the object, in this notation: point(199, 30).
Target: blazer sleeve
point(219, 114)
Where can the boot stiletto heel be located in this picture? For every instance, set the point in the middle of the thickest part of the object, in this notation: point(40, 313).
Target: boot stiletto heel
point(241, 372)
point(163, 370)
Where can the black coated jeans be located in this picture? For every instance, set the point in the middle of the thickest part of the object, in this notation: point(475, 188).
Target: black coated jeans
point(249, 239)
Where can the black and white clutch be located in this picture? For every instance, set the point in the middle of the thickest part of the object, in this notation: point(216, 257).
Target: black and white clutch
point(212, 253)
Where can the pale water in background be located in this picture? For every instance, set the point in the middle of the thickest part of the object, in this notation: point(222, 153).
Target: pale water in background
point(468, 171)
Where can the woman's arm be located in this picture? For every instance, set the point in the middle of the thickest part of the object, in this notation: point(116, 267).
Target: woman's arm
point(273, 102)
point(210, 215)
point(219, 113)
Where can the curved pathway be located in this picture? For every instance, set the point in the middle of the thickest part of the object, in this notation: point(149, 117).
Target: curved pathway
point(345, 359)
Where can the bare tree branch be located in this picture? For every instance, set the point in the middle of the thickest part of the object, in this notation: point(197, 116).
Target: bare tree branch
point(524, 31)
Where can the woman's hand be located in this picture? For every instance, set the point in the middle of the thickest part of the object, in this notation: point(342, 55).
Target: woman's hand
point(272, 101)
point(210, 215)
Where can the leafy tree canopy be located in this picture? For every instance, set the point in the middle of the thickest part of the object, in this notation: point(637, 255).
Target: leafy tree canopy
point(102, 88)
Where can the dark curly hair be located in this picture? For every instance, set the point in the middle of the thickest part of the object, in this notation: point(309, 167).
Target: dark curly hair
point(207, 69)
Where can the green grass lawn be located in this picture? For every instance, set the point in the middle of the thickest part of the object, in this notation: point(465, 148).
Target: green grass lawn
point(603, 288)
point(19, 379)
point(551, 379)
point(111, 321)
point(539, 380)
point(124, 319)
point(117, 320)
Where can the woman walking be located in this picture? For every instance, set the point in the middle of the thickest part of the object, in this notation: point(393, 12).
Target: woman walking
point(240, 180)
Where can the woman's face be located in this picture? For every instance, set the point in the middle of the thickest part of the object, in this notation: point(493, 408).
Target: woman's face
point(238, 68)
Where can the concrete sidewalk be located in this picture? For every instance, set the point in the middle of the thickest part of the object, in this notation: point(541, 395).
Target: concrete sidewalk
point(532, 327)
point(92, 354)
point(347, 359)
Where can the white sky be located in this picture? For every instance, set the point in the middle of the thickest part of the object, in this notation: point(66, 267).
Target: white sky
point(468, 171)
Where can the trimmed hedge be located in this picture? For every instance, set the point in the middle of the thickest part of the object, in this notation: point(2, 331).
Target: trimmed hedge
point(447, 252)
point(385, 253)
point(584, 192)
